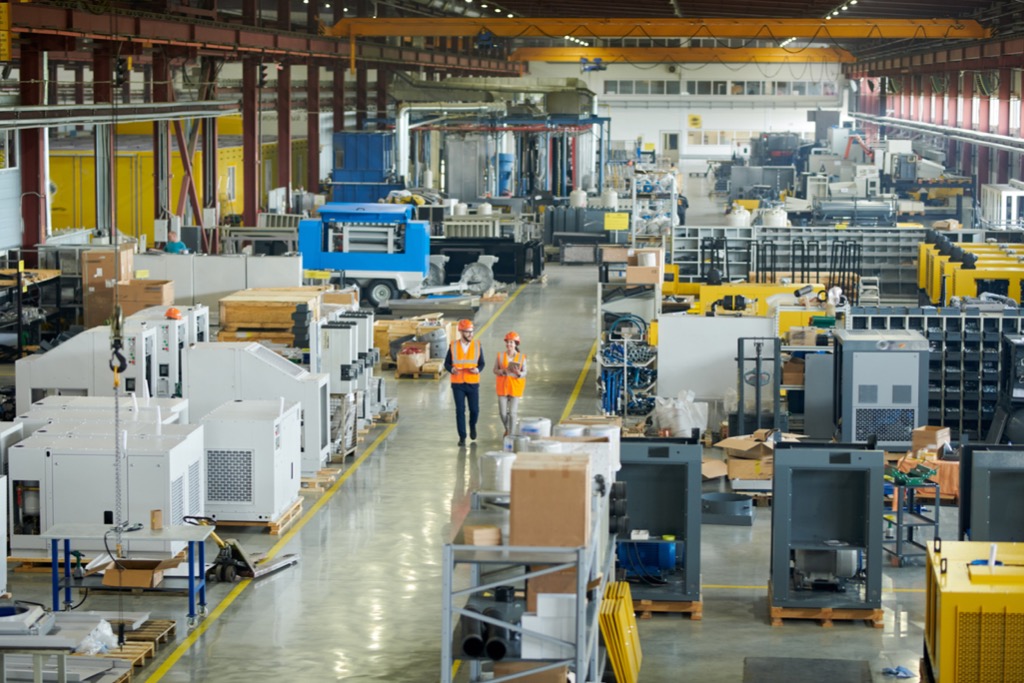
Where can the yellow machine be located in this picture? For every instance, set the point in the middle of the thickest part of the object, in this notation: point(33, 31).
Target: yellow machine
point(705, 296)
point(927, 253)
point(974, 613)
point(940, 268)
point(1006, 280)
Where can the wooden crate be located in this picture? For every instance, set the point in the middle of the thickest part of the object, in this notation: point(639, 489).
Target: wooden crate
point(275, 527)
point(268, 307)
point(693, 609)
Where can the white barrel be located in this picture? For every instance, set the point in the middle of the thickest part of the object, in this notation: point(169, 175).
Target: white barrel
point(545, 446)
point(534, 427)
point(484, 209)
point(775, 218)
point(30, 503)
point(739, 218)
point(610, 199)
point(461, 209)
point(496, 471)
point(603, 431)
point(647, 259)
point(428, 178)
point(578, 199)
point(566, 429)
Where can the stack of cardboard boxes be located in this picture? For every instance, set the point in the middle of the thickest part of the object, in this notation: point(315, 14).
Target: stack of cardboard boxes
point(634, 266)
point(751, 457)
point(107, 272)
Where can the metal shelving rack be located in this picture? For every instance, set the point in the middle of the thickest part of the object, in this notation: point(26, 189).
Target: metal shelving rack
point(494, 566)
point(651, 199)
point(641, 301)
point(910, 524)
point(964, 362)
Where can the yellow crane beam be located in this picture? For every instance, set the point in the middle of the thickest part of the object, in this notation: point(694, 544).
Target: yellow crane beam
point(501, 26)
point(681, 55)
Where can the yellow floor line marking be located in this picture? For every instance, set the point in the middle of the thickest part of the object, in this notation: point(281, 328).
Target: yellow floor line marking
point(579, 383)
point(186, 644)
point(483, 328)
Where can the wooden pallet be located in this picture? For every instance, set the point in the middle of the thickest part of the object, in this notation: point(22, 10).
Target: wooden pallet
point(133, 652)
point(389, 417)
point(826, 616)
point(39, 565)
point(156, 631)
point(761, 500)
point(321, 481)
point(126, 677)
point(274, 336)
point(277, 526)
point(645, 608)
point(341, 455)
point(435, 375)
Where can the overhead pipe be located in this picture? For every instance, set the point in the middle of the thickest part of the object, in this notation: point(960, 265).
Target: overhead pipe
point(403, 127)
point(990, 140)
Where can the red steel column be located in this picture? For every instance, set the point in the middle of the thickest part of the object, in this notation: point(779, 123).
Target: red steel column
point(967, 122)
point(1003, 126)
point(949, 116)
point(33, 156)
point(927, 92)
point(984, 153)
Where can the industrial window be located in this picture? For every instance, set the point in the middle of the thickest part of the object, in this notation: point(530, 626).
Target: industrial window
point(671, 87)
point(799, 88)
point(625, 87)
point(611, 87)
point(753, 87)
point(781, 87)
point(641, 87)
point(814, 89)
point(703, 87)
point(657, 87)
point(8, 149)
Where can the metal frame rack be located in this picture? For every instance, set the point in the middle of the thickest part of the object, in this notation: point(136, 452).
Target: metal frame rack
point(651, 199)
point(964, 364)
point(910, 524)
point(491, 567)
point(636, 305)
point(887, 253)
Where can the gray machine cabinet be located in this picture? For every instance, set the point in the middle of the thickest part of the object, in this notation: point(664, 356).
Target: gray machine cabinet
point(992, 493)
point(663, 488)
point(818, 396)
point(827, 503)
point(881, 385)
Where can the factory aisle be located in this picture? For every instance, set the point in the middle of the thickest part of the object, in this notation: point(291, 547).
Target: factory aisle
point(364, 602)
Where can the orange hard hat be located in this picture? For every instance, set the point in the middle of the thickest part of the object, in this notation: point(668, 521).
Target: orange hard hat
point(173, 314)
point(465, 325)
point(512, 336)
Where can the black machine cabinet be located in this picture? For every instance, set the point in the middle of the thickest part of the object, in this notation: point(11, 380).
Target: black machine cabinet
point(517, 261)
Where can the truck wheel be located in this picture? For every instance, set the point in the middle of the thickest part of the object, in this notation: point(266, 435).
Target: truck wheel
point(380, 292)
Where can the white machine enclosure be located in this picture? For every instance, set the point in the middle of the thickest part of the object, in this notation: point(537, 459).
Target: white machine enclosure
point(253, 460)
point(3, 538)
point(171, 340)
point(218, 372)
point(101, 408)
point(339, 356)
point(10, 434)
point(80, 367)
point(66, 477)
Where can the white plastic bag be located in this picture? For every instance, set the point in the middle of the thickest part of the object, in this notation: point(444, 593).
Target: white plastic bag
point(100, 640)
point(681, 415)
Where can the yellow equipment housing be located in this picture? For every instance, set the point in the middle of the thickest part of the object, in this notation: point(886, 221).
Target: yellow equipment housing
point(974, 614)
point(926, 253)
point(704, 294)
point(937, 266)
point(965, 281)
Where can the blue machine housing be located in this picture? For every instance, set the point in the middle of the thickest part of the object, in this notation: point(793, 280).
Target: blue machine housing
point(364, 166)
point(646, 559)
point(316, 253)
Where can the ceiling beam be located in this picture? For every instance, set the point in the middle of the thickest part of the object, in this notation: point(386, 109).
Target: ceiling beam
point(680, 55)
point(766, 29)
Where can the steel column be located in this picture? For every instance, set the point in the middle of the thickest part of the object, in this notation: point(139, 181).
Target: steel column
point(381, 99)
point(103, 140)
point(33, 153)
point(967, 122)
point(313, 126)
point(983, 153)
point(161, 88)
point(927, 92)
point(1003, 125)
point(250, 142)
point(284, 132)
point(949, 116)
point(361, 99)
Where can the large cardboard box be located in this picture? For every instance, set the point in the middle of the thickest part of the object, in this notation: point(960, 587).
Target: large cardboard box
point(637, 270)
point(550, 503)
point(712, 468)
point(615, 254)
point(793, 372)
point(929, 437)
point(99, 266)
point(754, 446)
point(412, 356)
point(803, 336)
point(745, 468)
point(98, 304)
point(138, 573)
point(557, 675)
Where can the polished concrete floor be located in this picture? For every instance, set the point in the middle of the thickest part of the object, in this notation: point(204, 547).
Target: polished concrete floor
point(364, 602)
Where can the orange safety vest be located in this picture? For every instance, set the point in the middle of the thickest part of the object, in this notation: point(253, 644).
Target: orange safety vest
point(465, 360)
point(508, 385)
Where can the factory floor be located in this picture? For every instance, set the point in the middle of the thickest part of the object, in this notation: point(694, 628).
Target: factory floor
point(363, 604)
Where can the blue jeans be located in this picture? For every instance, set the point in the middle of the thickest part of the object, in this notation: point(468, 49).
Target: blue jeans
point(464, 393)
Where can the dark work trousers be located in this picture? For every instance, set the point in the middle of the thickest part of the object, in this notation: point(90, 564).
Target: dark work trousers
point(464, 393)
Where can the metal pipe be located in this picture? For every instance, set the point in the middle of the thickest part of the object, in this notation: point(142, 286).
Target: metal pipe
point(991, 140)
point(497, 636)
point(472, 635)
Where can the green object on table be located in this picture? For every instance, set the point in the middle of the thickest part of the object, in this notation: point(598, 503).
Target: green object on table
point(917, 476)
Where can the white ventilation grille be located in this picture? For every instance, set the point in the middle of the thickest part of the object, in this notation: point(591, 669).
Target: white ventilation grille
point(195, 493)
point(177, 500)
point(229, 476)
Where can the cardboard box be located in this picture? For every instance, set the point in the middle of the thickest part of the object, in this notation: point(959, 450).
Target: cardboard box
point(712, 468)
point(99, 265)
point(98, 304)
point(343, 297)
point(929, 437)
point(550, 503)
point(411, 357)
point(138, 573)
point(745, 468)
point(793, 371)
point(803, 336)
point(949, 224)
point(637, 273)
point(481, 534)
point(148, 292)
point(753, 446)
point(557, 675)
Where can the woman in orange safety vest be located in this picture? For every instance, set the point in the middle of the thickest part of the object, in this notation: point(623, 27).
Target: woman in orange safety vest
point(510, 369)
